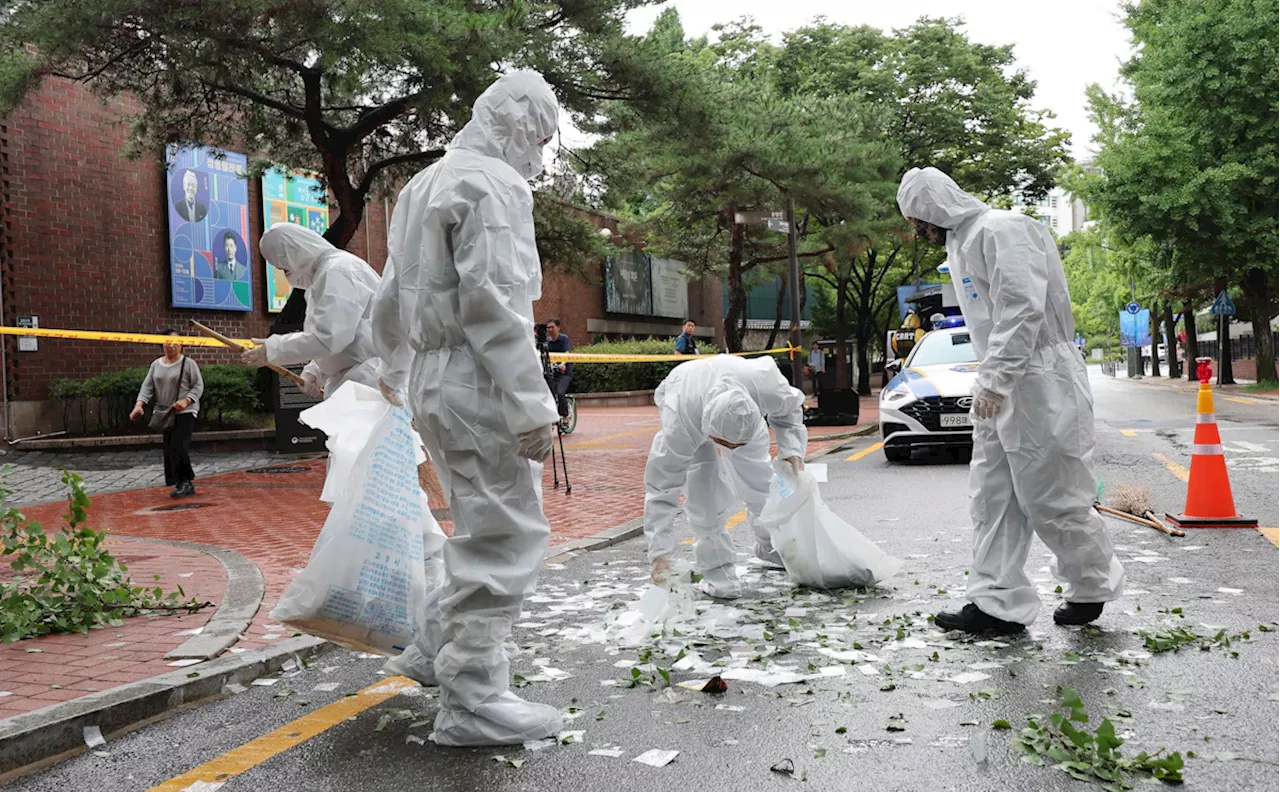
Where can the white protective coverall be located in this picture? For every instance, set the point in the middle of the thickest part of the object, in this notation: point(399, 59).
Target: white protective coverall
point(337, 335)
point(456, 309)
point(728, 398)
point(1032, 468)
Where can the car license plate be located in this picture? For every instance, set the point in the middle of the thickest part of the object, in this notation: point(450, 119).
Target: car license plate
point(955, 420)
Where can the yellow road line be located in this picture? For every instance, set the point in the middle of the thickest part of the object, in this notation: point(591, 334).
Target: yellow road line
point(871, 449)
point(1239, 400)
point(1173, 467)
point(1272, 534)
point(255, 752)
point(1128, 433)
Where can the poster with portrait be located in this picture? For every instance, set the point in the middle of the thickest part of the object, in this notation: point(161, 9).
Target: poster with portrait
point(628, 284)
point(207, 197)
point(290, 196)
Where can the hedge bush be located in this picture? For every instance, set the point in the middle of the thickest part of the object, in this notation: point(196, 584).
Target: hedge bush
point(617, 377)
point(229, 394)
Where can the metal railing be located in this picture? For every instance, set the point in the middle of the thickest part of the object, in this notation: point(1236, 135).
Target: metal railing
point(1109, 368)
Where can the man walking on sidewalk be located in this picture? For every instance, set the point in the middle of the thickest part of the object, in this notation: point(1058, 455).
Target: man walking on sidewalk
point(1032, 469)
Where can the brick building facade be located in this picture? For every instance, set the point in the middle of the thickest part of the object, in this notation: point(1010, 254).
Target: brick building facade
point(83, 245)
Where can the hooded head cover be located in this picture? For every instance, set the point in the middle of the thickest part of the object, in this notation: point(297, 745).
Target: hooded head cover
point(295, 251)
point(509, 121)
point(732, 416)
point(930, 195)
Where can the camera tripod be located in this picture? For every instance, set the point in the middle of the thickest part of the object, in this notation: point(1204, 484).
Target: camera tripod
point(555, 472)
point(548, 373)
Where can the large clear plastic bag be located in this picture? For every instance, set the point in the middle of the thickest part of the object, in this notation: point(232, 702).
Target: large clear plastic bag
point(819, 549)
point(366, 582)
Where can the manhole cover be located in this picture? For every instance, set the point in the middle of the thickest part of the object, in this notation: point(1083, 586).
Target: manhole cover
point(180, 507)
point(281, 469)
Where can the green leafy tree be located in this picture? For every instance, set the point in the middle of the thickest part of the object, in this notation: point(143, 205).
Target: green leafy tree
point(727, 143)
point(364, 94)
point(938, 99)
point(1191, 164)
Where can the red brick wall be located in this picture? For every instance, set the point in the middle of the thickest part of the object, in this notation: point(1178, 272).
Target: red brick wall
point(85, 242)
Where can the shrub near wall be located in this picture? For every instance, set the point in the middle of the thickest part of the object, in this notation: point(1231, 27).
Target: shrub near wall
point(620, 377)
point(228, 395)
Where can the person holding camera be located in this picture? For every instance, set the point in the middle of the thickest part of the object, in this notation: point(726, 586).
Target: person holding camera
point(561, 374)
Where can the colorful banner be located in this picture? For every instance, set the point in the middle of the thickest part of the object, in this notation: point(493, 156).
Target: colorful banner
point(1135, 329)
point(208, 202)
point(290, 196)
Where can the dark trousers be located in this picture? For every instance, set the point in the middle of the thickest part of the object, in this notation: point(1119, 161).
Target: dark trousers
point(177, 450)
point(817, 387)
point(560, 387)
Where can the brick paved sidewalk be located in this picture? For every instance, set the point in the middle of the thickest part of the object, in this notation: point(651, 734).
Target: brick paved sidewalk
point(41, 671)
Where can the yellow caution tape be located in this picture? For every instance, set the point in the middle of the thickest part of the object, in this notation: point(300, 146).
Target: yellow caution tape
point(124, 338)
point(586, 357)
point(204, 341)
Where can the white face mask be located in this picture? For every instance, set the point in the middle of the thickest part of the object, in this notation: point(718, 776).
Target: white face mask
point(297, 280)
point(530, 167)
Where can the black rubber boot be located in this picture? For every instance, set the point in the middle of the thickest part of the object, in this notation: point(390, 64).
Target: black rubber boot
point(972, 620)
point(1077, 612)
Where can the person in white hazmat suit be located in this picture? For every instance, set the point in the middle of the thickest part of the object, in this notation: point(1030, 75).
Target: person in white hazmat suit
point(455, 312)
point(713, 445)
point(336, 341)
point(1032, 468)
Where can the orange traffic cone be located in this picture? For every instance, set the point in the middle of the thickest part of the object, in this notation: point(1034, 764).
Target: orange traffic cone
point(1209, 501)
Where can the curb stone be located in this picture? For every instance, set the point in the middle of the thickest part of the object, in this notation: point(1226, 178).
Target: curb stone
point(245, 590)
point(633, 528)
point(57, 730)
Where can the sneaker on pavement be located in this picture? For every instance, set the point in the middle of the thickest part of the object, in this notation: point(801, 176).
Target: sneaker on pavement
point(1075, 613)
point(178, 491)
point(972, 620)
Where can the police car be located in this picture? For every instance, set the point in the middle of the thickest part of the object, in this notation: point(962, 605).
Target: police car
point(926, 404)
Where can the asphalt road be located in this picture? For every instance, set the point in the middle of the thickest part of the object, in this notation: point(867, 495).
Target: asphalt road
point(834, 730)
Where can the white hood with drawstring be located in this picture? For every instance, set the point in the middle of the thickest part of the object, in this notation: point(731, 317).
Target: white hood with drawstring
point(337, 335)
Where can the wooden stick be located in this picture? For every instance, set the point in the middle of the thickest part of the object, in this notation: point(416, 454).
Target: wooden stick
point(1123, 515)
point(209, 331)
point(1161, 527)
point(1171, 531)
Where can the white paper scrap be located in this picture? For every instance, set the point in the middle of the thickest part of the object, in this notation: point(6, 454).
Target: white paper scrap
point(264, 682)
point(612, 753)
point(93, 737)
point(190, 661)
point(868, 670)
point(968, 677)
point(656, 758)
point(326, 687)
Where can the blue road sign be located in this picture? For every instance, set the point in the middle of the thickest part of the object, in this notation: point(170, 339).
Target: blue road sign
point(1133, 308)
point(1223, 305)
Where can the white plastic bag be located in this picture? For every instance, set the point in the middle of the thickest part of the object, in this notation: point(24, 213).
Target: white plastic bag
point(348, 418)
point(818, 548)
point(365, 584)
